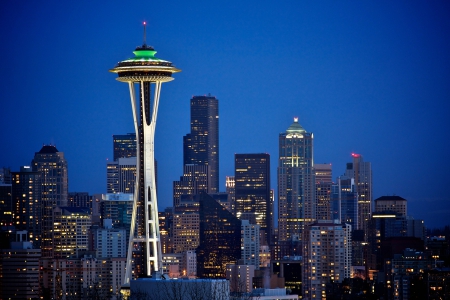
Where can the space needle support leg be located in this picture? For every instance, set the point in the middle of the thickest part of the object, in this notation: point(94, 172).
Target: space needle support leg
point(136, 189)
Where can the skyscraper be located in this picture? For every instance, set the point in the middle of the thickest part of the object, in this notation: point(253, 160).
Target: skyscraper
point(323, 191)
point(296, 191)
point(220, 239)
point(252, 191)
point(195, 180)
point(26, 194)
point(124, 145)
point(362, 173)
point(121, 175)
point(201, 145)
point(326, 257)
point(345, 201)
point(146, 71)
point(54, 192)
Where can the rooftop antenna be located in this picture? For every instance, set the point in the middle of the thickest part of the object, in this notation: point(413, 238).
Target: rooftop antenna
point(145, 34)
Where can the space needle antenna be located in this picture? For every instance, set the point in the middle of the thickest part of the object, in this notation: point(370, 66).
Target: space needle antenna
point(145, 33)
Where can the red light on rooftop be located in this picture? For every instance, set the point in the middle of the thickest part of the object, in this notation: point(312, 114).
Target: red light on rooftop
point(356, 155)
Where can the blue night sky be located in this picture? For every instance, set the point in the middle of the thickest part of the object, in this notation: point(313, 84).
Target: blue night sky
point(371, 77)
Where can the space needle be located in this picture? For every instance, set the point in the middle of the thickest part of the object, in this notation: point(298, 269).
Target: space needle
point(147, 73)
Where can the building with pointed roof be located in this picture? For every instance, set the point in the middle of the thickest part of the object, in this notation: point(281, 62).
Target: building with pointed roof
point(296, 188)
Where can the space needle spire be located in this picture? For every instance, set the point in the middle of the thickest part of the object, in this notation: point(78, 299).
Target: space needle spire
point(144, 73)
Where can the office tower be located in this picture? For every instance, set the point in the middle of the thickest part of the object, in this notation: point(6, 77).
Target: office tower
point(326, 256)
point(124, 145)
point(186, 226)
point(253, 193)
point(26, 194)
point(7, 209)
point(54, 190)
point(296, 191)
point(70, 231)
point(250, 244)
point(5, 175)
point(195, 180)
point(323, 191)
point(201, 145)
point(344, 200)
point(146, 71)
point(220, 239)
point(230, 190)
point(241, 279)
point(394, 204)
point(118, 208)
point(80, 199)
point(166, 229)
point(109, 241)
point(362, 173)
point(391, 232)
point(121, 175)
point(19, 269)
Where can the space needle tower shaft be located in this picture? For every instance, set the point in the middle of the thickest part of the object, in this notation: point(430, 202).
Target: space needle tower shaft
point(146, 72)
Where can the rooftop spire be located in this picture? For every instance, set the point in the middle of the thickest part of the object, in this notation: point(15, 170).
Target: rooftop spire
point(145, 33)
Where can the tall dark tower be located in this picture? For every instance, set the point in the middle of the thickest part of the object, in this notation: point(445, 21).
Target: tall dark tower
point(201, 146)
point(145, 72)
point(253, 201)
point(26, 194)
point(54, 192)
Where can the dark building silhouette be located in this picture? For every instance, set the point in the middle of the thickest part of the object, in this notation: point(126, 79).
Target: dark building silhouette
point(253, 199)
point(201, 145)
point(54, 190)
point(220, 238)
point(124, 145)
point(80, 199)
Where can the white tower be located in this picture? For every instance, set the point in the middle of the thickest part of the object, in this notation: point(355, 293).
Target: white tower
point(146, 71)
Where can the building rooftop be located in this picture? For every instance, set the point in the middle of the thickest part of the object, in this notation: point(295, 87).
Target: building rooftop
point(390, 198)
point(48, 149)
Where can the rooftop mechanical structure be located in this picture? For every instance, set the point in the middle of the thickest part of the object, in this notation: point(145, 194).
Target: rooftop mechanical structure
point(146, 72)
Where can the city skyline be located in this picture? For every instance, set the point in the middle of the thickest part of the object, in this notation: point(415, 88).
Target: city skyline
point(368, 78)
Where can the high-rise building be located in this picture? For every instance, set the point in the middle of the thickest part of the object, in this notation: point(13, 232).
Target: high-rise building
point(201, 145)
point(109, 242)
point(121, 175)
point(54, 190)
point(186, 226)
point(146, 71)
point(26, 194)
point(361, 171)
point(220, 238)
point(195, 180)
point(118, 208)
point(296, 190)
point(394, 203)
point(70, 231)
point(19, 269)
point(124, 145)
point(80, 199)
point(253, 193)
point(323, 191)
point(7, 208)
point(327, 256)
point(250, 244)
point(345, 201)
point(230, 190)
